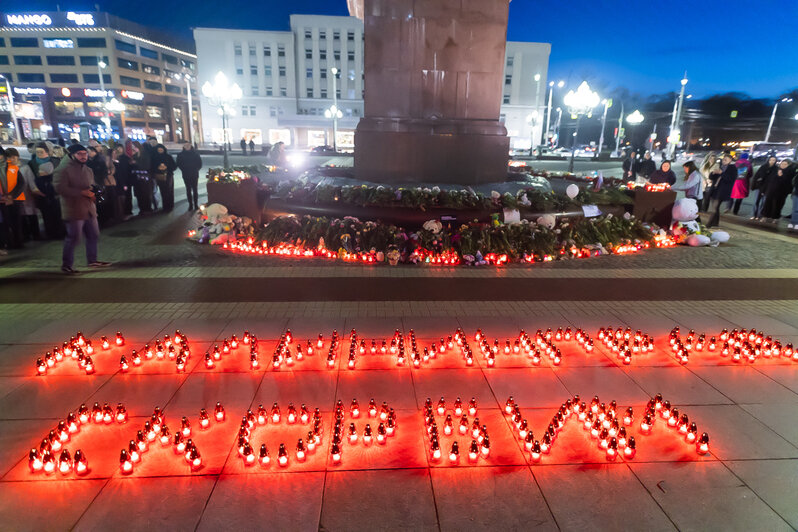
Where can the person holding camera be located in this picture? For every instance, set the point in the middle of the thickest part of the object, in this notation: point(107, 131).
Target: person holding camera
point(74, 183)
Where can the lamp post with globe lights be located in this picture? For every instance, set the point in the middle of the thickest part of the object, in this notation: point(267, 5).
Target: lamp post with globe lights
point(673, 138)
point(607, 104)
point(223, 96)
point(560, 85)
point(580, 102)
point(115, 106)
point(773, 116)
point(334, 113)
point(17, 129)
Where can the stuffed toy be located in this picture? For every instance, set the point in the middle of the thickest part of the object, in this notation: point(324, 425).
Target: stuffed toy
point(686, 229)
point(219, 226)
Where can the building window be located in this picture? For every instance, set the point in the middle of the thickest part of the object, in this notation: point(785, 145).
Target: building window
point(149, 69)
point(267, 51)
point(350, 55)
point(506, 100)
point(336, 35)
point(3, 59)
point(282, 71)
point(267, 70)
point(125, 63)
point(254, 91)
point(252, 110)
point(2, 42)
point(283, 92)
point(153, 86)
point(308, 53)
point(29, 78)
point(239, 71)
point(272, 111)
point(123, 46)
point(24, 42)
point(244, 110)
point(8, 76)
point(280, 50)
point(237, 49)
point(154, 111)
point(190, 64)
point(174, 89)
point(508, 80)
point(253, 70)
point(323, 55)
point(337, 55)
point(350, 36)
point(252, 50)
point(94, 78)
point(130, 82)
point(64, 78)
point(310, 92)
point(91, 60)
point(169, 59)
point(323, 93)
point(309, 72)
point(308, 34)
point(509, 61)
point(58, 43)
point(91, 42)
point(269, 91)
point(27, 60)
point(323, 74)
point(338, 93)
point(60, 60)
point(146, 52)
point(322, 34)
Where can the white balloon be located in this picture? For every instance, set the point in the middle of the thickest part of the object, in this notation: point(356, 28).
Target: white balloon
point(720, 236)
point(572, 191)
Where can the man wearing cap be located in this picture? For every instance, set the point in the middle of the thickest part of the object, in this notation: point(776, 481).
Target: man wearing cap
point(73, 182)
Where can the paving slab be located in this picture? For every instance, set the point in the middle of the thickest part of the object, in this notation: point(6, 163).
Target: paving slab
point(774, 481)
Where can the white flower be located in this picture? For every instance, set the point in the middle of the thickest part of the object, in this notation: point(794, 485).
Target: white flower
point(609, 215)
point(525, 200)
point(436, 190)
point(495, 195)
point(627, 216)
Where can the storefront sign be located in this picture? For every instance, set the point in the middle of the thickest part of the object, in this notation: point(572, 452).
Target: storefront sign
point(70, 18)
point(58, 43)
point(81, 19)
point(29, 20)
point(98, 93)
point(30, 91)
point(132, 95)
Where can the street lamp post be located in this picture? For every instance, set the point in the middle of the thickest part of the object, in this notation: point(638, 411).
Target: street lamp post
point(560, 84)
point(773, 116)
point(100, 67)
point(673, 139)
point(17, 129)
point(333, 112)
point(580, 102)
point(190, 137)
point(607, 104)
point(618, 136)
point(222, 95)
point(115, 106)
point(536, 113)
point(557, 125)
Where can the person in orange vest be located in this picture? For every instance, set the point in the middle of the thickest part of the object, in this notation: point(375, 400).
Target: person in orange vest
point(12, 196)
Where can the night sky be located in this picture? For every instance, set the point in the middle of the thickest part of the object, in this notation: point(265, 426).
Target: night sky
point(725, 45)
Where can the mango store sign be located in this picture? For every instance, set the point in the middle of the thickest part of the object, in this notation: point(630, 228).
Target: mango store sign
point(44, 19)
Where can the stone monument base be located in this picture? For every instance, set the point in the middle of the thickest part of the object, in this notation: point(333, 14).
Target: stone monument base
point(467, 152)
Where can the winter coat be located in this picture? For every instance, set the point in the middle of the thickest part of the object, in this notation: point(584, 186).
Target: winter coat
point(631, 165)
point(763, 176)
point(782, 185)
point(723, 183)
point(189, 162)
point(693, 186)
point(99, 169)
point(124, 171)
point(163, 158)
point(647, 167)
point(660, 176)
point(70, 180)
point(741, 185)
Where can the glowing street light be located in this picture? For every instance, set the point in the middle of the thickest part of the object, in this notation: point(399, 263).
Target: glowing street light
point(635, 117)
point(580, 102)
point(222, 95)
point(560, 85)
point(773, 116)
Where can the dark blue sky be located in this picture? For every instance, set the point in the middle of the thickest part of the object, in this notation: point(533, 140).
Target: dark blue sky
point(725, 45)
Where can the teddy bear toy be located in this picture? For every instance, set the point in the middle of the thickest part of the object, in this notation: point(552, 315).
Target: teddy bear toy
point(686, 229)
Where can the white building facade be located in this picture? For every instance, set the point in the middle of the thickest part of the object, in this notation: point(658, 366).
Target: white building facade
point(287, 83)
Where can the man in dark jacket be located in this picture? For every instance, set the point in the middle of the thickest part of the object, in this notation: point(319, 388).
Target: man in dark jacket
point(190, 162)
point(723, 180)
point(647, 166)
point(760, 184)
point(124, 178)
point(163, 166)
point(73, 182)
point(630, 167)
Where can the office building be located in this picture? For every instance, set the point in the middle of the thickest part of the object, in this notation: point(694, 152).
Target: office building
point(93, 75)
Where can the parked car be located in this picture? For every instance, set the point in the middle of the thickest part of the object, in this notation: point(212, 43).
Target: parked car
point(323, 150)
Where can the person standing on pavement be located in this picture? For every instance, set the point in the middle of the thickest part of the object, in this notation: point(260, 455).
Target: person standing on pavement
point(723, 179)
point(30, 218)
point(741, 187)
point(43, 165)
point(709, 164)
point(146, 155)
point(164, 167)
point(778, 190)
point(190, 163)
point(73, 183)
point(663, 175)
point(251, 146)
point(243, 144)
point(124, 177)
point(631, 165)
point(794, 217)
point(760, 183)
point(12, 197)
point(647, 167)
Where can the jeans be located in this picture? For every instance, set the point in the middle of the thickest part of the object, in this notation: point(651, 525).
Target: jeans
point(794, 217)
point(191, 191)
point(167, 189)
point(91, 230)
point(759, 203)
point(714, 210)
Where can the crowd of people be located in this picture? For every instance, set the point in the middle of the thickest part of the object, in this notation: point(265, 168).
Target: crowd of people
point(723, 180)
point(68, 192)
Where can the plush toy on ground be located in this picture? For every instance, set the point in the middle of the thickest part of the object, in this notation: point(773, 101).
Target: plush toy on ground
point(687, 229)
point(218, 226)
